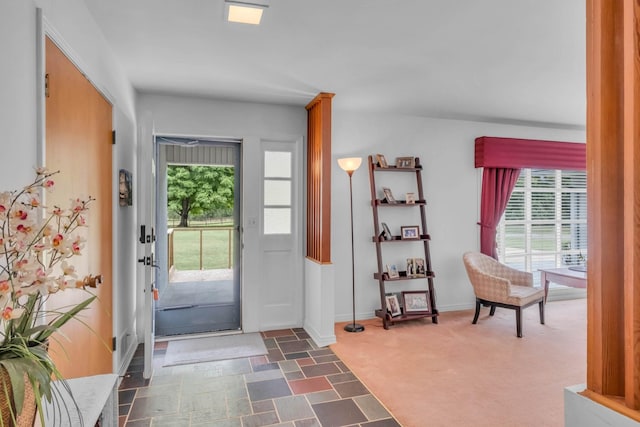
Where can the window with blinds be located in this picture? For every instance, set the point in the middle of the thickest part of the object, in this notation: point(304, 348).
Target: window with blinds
point(277, 192)
point(545, 222)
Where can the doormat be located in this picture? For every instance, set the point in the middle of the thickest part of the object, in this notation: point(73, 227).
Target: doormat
point(208, 349)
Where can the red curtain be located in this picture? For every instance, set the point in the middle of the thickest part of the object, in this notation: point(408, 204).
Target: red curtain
point(497, 186)
point(502, 159)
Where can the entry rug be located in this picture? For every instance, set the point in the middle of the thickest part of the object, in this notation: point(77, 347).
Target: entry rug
point(208, 349)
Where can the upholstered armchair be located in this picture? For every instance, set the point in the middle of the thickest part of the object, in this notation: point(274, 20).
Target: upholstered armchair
point(497, 285)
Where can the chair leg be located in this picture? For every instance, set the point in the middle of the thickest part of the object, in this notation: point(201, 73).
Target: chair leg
point(541, 305)
point(475, 318)
point(519, 321)
point(493, 310)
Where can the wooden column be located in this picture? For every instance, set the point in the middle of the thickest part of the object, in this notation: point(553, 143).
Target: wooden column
point(319, 178)
point(613, 173)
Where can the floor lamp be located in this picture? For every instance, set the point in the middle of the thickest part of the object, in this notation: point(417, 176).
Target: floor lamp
point(349, 165)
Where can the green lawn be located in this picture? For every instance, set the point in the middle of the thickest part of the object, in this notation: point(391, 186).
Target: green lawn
point(543, 237)
point(215, 248)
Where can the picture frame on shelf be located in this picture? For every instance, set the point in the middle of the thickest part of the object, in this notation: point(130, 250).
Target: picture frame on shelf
point(388, 195)
point(386, 232)
point(410, 232)
point(382, 162)
point(416, 267)
point(405, 162)
point(410, 198)
point(416, 302)
point(392, 271)
point(393, 305)
point(411, 267)
point(420, 267)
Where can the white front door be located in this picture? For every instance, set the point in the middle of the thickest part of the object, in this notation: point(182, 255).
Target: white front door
point(281, 235)
point(146, 235)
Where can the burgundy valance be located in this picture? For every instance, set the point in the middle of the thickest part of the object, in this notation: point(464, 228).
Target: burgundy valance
point(494, 152)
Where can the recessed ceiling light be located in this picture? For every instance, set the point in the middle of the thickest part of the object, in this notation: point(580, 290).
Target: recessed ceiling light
point(244, 12)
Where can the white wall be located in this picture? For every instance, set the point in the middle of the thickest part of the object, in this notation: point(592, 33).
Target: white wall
point(580, 411)
point(71, 25)
point(253, 123)
point(17, 92)
point(451, 187)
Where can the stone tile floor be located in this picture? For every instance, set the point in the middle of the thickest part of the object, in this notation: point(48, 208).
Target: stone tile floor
point(295, 385)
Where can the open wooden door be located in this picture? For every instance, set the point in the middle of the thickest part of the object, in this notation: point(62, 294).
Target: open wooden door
point(79, 144)
point(147, 234)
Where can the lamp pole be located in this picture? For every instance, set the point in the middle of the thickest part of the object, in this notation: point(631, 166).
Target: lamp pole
point(350, 165)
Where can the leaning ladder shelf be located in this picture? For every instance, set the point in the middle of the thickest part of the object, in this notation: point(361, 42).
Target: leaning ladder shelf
point(381, 275)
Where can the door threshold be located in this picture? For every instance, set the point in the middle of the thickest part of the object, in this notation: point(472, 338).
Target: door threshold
point(200, 335)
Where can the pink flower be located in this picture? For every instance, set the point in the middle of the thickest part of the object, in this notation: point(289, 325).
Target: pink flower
point(78, 205)
point(10, 313)
point(23, 228)
point(75, 248)
point(48, 183)
point(6, 313)
point(20, 214)
point(57, 240)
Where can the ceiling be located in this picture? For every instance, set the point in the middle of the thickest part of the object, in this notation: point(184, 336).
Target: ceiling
point(514, 61)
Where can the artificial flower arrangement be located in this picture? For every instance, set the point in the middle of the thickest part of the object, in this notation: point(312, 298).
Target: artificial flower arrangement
point(36, 245)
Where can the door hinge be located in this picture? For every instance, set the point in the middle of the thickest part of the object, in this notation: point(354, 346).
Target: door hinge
point(46, 85)
point(113, 344)
point(113, 137)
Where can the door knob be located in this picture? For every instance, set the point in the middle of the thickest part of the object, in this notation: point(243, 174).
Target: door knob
point(92, 281)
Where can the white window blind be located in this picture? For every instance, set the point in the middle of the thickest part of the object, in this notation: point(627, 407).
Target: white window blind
point(545, 222)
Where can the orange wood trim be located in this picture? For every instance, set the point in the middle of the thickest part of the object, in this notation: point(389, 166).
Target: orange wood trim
point(631, 64)
point(319, 178)
point(318, 262)
point(613, 173)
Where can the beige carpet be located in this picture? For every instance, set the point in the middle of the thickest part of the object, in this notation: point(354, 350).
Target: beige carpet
point(208, 349)
point(458, 374)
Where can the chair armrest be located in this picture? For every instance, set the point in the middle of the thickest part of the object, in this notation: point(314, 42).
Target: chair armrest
point(516, 277)
point(489, 287)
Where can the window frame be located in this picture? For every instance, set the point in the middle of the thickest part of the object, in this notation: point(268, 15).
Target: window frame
point(525, 259)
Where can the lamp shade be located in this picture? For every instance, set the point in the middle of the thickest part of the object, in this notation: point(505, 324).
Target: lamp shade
point(350, 164)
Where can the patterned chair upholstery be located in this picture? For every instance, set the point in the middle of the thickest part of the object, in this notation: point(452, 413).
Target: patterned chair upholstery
point(497, 285)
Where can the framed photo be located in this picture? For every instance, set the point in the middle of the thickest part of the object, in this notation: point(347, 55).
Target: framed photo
point(411, 267)
point(392, 271)
point(388, 196)
point(386, 232)
point(393, 305)
point(125, 195)
point(411, 232)
point(382, 162)
point(416, 302)
point(405, 162)
point(419, 267)
point(410, 198)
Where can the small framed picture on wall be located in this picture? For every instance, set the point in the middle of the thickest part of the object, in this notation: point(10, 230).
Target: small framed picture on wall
point(125, 188)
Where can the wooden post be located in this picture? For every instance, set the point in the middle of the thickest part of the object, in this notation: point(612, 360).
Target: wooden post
point(613, 173)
